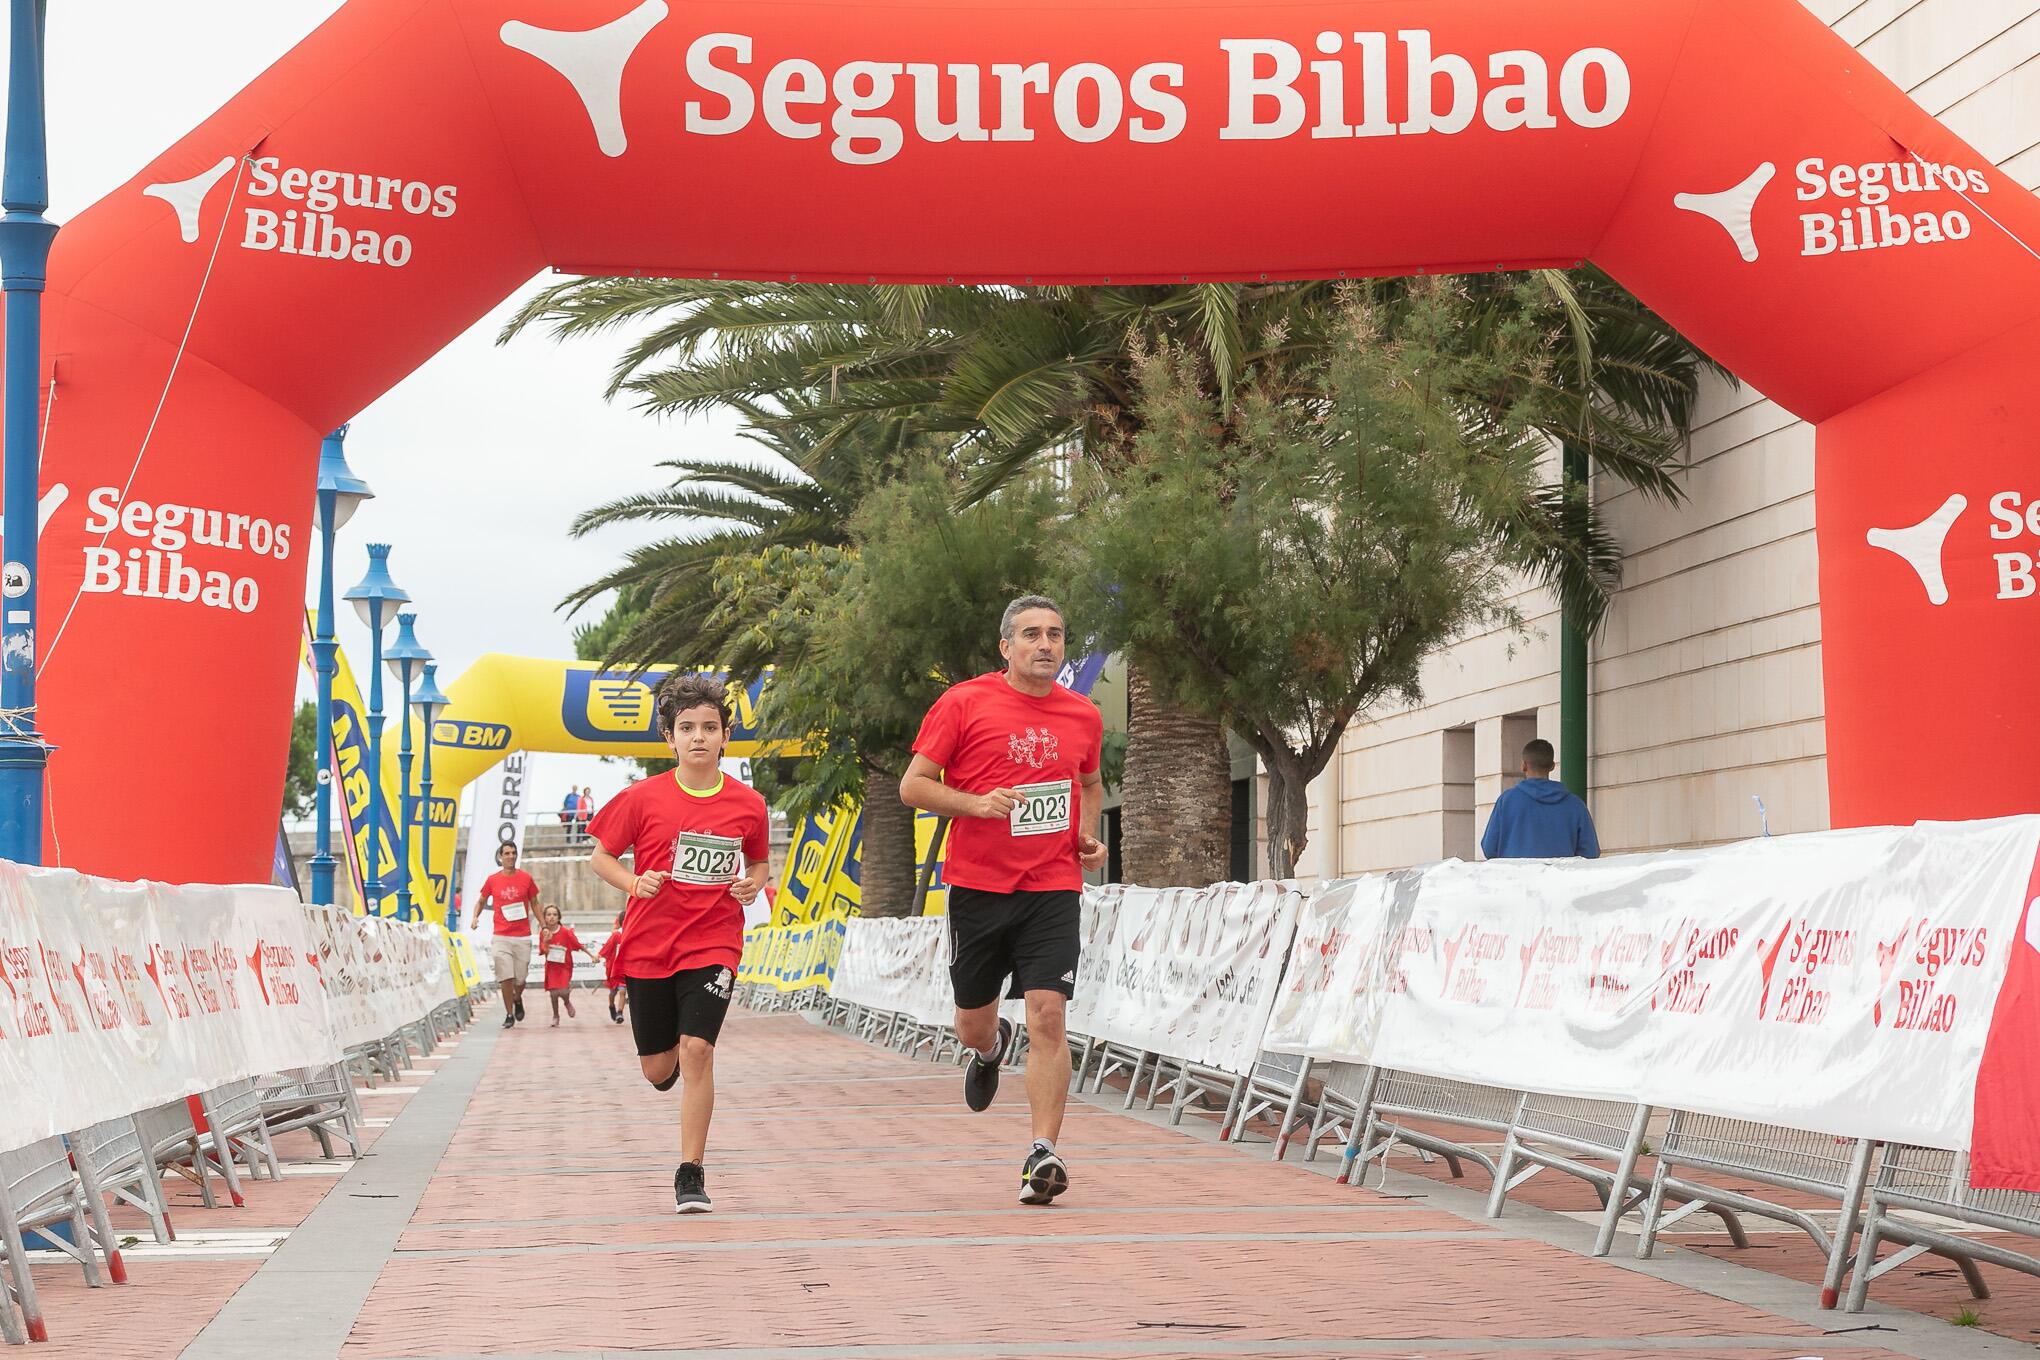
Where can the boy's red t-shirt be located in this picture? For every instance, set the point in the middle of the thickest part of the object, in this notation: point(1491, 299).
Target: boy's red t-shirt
point(517, 891)
point(704, 840)
point(560, 972)
point(987, 735)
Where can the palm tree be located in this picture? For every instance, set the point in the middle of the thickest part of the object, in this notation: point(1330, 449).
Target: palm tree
point(1006, 375)
point(801, 496)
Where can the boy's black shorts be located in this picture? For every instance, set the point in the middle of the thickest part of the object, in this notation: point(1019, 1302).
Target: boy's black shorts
point(693, 1001)
point(1033, 936)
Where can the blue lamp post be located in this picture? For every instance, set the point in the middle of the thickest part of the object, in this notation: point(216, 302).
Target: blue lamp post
point(340, 494)
point(25, 237)
point(430, 703)
point(405, 660)
point(376, 598)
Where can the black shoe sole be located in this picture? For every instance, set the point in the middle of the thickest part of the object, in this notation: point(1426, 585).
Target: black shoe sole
point(1045, 1184)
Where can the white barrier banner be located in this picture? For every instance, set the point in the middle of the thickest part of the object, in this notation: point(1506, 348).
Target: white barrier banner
point(1842, 982)
point(897, 964)
point(381, 974)
point(118, 996)
point(1189, 972)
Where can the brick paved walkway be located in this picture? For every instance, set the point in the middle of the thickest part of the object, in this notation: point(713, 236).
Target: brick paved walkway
point(519, 1204)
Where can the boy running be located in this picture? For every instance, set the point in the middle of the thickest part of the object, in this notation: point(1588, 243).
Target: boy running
point(1012, 757)
point(689, 833)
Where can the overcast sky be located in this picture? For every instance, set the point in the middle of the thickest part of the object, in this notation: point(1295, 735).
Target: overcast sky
point(450, 450)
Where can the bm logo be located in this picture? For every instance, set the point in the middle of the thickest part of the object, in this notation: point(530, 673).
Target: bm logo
point(471, 736)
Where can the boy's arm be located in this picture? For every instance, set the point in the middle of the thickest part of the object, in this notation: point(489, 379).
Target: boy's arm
point(611, 870)
point(747, 888)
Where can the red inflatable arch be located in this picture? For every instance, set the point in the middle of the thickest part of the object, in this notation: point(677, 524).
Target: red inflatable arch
point(414, 161)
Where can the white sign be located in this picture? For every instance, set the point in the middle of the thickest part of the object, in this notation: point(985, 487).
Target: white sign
point(897, 964)
point(117, 996)
point(1841, 983)
point(496, 820)
point(1188, 972)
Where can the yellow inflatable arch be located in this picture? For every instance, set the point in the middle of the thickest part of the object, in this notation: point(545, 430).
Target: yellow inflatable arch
point(503, 704)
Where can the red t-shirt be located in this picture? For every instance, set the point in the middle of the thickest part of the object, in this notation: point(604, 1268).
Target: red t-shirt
point(560, 972)
point(987, 735)
point(517, 891)
point(612, 975)
point(693, 922)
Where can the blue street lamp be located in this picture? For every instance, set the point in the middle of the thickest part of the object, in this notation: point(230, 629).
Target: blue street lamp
point(340, 494)
point(430, 703)
point(25, 236)
point(405, 660)
point(376, 599)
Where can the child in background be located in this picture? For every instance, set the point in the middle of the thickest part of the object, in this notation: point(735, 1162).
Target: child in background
point(612, 975)
point(557, 943)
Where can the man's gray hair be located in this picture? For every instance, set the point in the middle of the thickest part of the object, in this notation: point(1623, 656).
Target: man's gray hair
point(1021, 606)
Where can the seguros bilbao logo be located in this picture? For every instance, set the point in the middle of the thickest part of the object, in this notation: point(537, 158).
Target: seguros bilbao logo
point(2014, 530)
point(1849, 207)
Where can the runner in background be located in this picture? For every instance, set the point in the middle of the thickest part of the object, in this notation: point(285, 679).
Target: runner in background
point(699, 844)
point(558, 943)
point(612, 976)
point(510, 893)
point(1012, 758)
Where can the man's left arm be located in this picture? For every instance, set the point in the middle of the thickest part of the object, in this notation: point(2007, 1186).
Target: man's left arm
point(1091, 796)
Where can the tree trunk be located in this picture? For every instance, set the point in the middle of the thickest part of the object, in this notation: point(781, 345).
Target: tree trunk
point(1288, 811)
point(1176, 802)
point(886, 878)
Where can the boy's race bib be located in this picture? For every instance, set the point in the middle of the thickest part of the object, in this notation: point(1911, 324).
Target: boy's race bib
point(709, 860)
point(512, 911)
point(556, 954)
point(1043, 809)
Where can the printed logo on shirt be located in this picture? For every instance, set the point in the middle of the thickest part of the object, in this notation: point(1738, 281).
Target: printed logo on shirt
point(719, 985)
point(1037, 750)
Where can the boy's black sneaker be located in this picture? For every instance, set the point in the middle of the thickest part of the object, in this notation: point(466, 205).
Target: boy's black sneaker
point(520, 1008)
point(981, 1078)
point(690, 1189)
point(1042, 1176)
point(508, 1021)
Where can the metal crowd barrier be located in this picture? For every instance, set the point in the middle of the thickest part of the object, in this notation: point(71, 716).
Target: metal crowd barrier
point(1920, 1180)
point(64, 1182)
point(1369, 1111)
point(1789, 1159)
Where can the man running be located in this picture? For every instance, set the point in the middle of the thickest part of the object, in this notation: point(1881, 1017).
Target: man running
point(1012, 758)
point(512, 894)
point(698, 844)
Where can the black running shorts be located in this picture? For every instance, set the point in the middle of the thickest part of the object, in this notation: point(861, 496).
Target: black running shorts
point(692, 1002)
point(1032, 937)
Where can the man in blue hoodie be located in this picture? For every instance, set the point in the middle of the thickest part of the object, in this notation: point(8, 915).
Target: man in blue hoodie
point(1539, 818)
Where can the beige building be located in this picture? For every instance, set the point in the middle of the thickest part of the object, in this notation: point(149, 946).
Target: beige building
point(1705, 684)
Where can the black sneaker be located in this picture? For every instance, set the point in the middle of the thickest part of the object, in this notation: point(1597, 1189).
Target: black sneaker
point(520, 1008)
point(690, 1189)
point(508, 1021)
point(1042, 1176)
point(981, 1078)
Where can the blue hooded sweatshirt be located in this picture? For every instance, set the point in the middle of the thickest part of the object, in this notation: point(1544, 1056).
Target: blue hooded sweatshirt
point(1539, 819)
